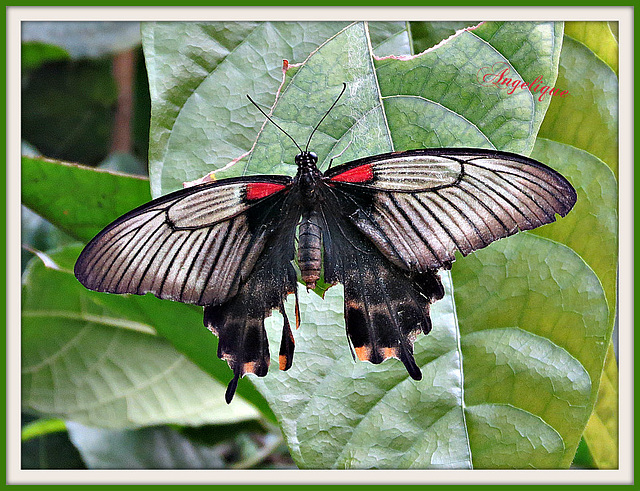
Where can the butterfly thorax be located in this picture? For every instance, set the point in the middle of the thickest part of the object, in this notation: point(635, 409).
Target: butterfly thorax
point(308, 178)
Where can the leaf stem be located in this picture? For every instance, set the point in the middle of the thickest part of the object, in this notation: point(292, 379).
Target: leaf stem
point(42, 427)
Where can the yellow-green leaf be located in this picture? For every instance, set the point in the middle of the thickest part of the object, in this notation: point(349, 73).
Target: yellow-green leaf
point(587, 116)
point(601, 433)
point(598, 37)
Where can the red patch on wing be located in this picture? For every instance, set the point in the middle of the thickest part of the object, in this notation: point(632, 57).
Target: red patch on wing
point(362, 173)
point(258, 190)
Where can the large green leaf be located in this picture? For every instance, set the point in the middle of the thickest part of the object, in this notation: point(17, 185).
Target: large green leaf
point(196, 127)
point(79, 200)
point(97, 359)
point(580, 137)
point(534, 326)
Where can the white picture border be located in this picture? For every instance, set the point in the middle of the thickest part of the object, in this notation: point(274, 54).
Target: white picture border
point(15, 475)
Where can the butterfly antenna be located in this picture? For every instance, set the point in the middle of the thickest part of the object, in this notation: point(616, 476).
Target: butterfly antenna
point(344, 87)
point(276, 124)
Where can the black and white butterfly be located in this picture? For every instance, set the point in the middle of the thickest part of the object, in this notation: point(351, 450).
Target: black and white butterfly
point(382, 226)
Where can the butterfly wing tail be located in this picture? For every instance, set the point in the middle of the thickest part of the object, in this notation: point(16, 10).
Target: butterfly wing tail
point(242, 341)
point(385, 310)
point(239, 323)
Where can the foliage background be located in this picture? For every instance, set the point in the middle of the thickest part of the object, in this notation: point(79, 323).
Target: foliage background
point(80, 83)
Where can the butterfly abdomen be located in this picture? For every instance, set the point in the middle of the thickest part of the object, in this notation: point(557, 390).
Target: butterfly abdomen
point(309, 253)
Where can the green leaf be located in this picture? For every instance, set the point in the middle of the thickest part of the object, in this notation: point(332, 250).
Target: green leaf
point(95, 358)
point(601, 433)
point(35, 54)
point(582, 458)
point(131, 449)
point(587, 117)
point(534, 330)
point(41, 427)
point(79, 200)
point(427, 34)
point(591, 229)
point(598, 37)
point(594, 234)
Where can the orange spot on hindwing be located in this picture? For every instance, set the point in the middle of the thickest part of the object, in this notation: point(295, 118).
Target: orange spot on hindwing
point(363, 353)
point(389, 353)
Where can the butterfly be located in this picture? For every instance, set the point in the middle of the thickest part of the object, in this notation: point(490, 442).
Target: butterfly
point(382, 226)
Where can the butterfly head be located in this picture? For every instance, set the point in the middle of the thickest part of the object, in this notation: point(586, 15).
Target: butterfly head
point(306, 160)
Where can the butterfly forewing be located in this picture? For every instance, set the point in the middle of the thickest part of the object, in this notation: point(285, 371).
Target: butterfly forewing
point(194, 246)
point(420, 206)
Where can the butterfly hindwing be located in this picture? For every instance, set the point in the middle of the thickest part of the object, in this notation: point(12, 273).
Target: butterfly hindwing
point(239, 322)
point(420, 206)
point(393, 220)
point(386, 307)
